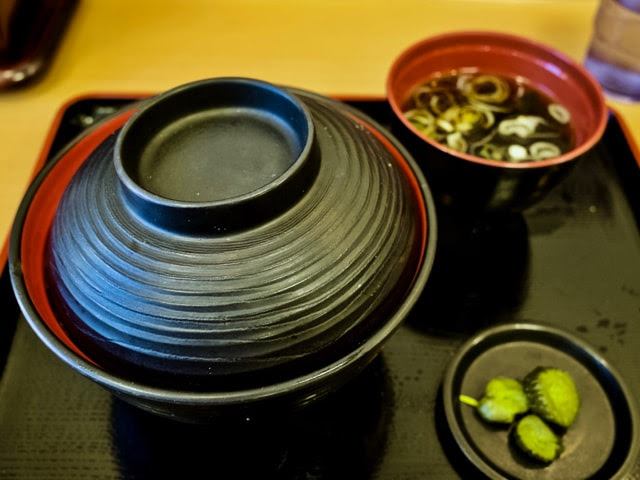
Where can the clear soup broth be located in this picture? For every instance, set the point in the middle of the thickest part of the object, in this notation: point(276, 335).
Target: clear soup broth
point(490, 116)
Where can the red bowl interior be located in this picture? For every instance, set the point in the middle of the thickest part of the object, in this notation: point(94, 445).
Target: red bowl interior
point(541, 67)
point(38, 220)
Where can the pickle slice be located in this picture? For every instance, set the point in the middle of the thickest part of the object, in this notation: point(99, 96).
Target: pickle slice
point(504, 398)
point(552, 395)
point(535, 438)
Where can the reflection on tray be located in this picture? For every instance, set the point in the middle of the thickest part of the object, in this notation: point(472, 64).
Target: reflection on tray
point(342, 437)
point(479, 276)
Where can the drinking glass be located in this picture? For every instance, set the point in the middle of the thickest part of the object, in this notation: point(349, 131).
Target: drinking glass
point(614, 53)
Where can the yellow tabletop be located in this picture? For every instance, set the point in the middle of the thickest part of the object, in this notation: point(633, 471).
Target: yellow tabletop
point(333, 47)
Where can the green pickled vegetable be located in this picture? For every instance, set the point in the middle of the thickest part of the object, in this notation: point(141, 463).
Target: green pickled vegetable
point(546, 397)
point(503, 400)
point(552, 395)
point(535, 438)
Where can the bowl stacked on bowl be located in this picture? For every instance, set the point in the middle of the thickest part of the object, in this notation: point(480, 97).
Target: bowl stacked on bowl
point(225, 245)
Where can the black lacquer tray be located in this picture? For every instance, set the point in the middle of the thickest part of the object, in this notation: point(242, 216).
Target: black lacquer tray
point(572, 261)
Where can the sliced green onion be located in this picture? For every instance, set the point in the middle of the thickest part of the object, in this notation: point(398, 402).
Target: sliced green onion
point(422, 96)
point(489, 88)
point(456, 141)
point(542, 150)
point(490, 151)
point(466, 110)
point(440, 102)
point(468, 118)
point(445, 125)
point(421, 118)
point(522, 126)
point(488, 117)
point(559, 113)
point(489, 106)
point(517, 153)
point(462, 81)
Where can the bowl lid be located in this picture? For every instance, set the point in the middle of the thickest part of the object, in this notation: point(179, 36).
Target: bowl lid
point(281, 277)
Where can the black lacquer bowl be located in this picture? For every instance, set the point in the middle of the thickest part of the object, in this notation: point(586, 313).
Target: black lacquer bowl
point(233, 244)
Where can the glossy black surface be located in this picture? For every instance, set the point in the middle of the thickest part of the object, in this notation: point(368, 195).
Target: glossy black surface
point(572, 261)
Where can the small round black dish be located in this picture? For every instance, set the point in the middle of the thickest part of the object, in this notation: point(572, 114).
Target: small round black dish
point(601, 444)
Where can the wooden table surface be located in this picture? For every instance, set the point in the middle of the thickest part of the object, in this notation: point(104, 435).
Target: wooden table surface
point(333, 47)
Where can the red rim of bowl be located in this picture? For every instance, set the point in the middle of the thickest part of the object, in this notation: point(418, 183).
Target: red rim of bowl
point(27, 257)
point(542, 55)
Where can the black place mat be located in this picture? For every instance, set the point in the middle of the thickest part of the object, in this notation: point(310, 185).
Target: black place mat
point(572, 261)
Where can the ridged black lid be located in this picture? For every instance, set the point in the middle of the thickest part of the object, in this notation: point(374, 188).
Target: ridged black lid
point(275, 278)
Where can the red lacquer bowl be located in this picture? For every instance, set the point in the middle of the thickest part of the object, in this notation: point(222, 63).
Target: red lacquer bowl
point(472, 183)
